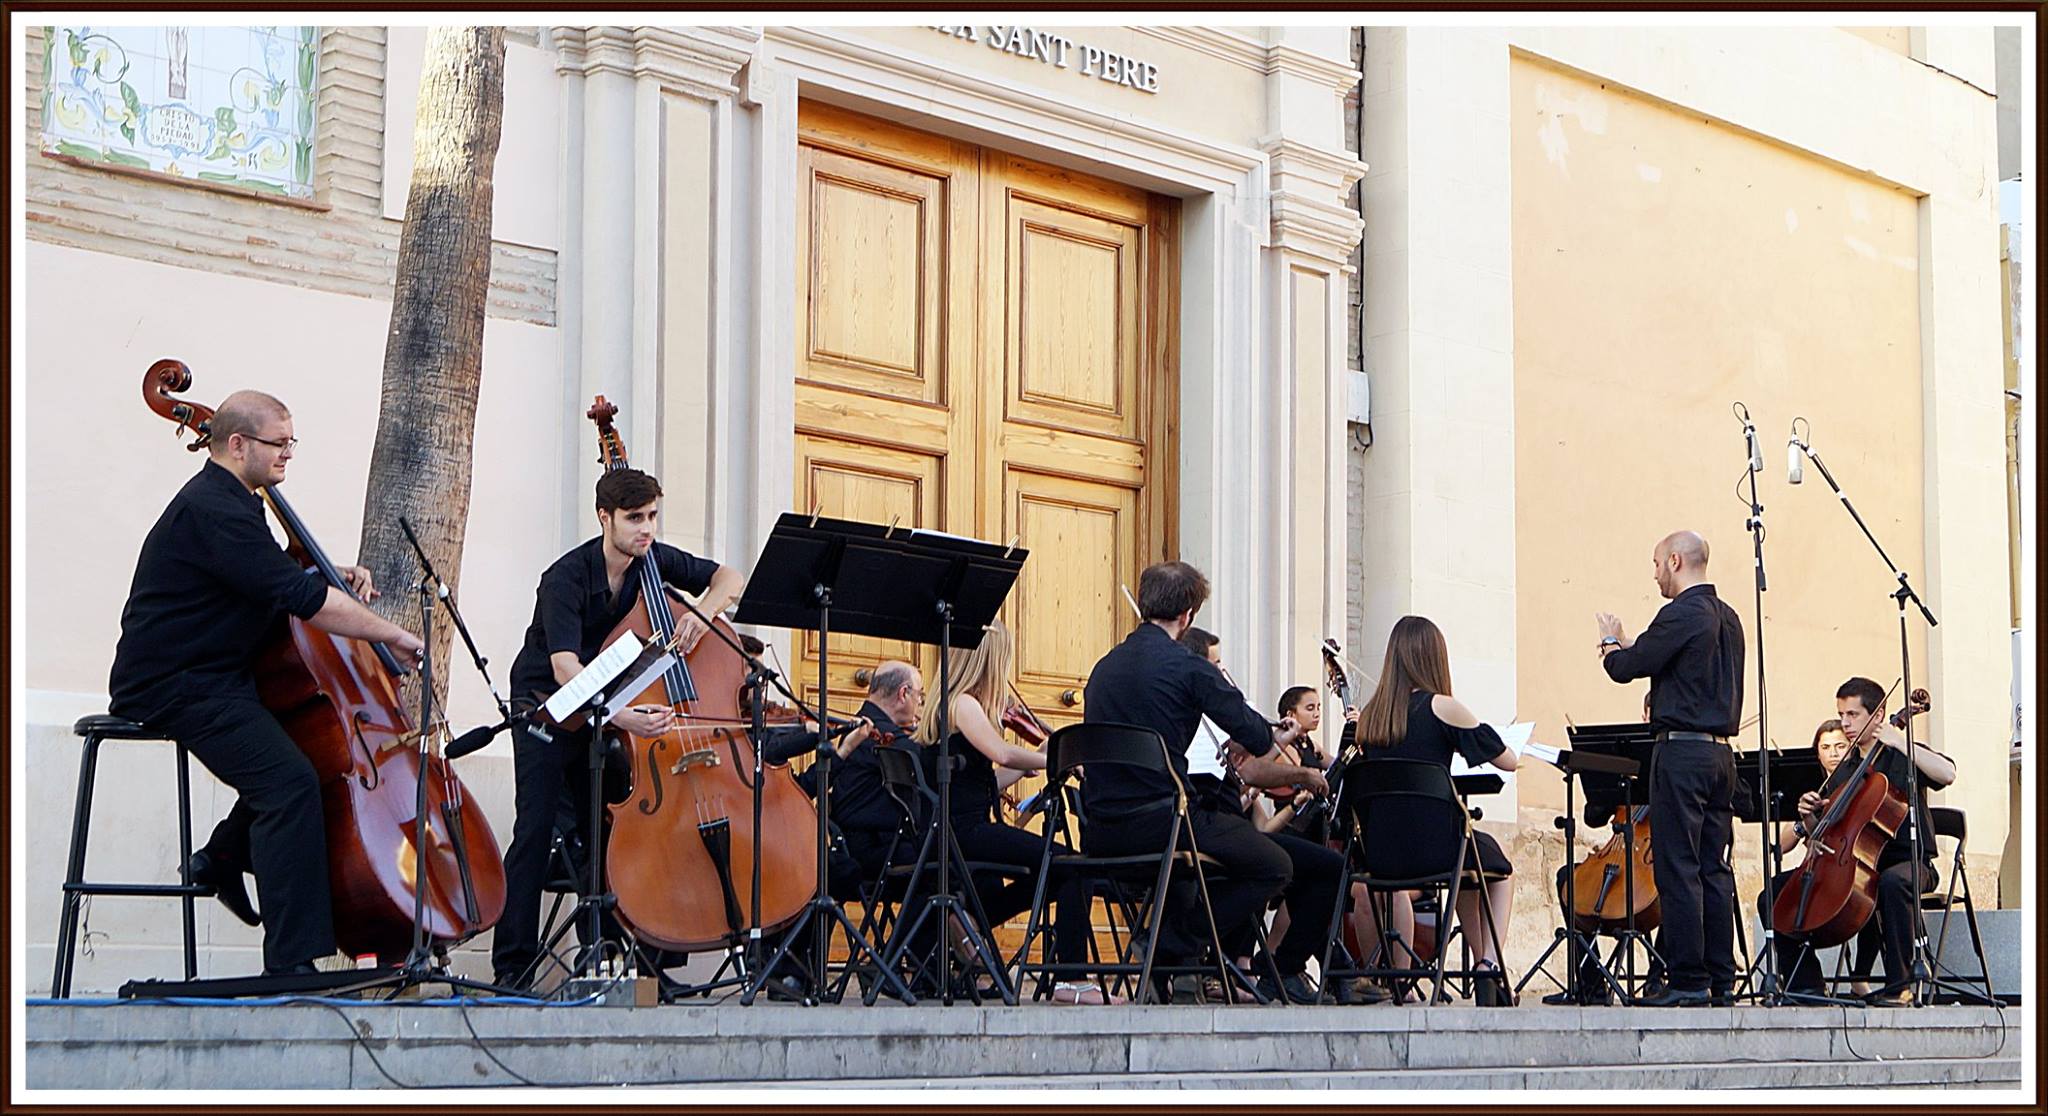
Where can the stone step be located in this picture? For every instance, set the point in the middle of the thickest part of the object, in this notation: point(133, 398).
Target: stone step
point(1949, 1073)
point(356, 1045)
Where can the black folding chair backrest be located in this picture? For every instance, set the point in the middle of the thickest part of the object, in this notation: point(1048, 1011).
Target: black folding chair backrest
point(1948, 822)
point(1410, 819)
point(1102, 742)
point(903, 781)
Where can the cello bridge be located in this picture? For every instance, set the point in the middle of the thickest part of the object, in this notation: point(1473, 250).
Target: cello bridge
point(701, 757)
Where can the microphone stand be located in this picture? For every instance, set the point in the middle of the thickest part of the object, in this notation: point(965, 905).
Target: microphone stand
point(1920, 977)
point(1767, 991)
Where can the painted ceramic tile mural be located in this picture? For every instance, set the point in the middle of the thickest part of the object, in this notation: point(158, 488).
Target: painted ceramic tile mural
point(232, 105)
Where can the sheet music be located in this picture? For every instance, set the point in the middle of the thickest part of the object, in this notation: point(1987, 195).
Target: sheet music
point(587, 684)
point(1205, 750)
point(1517, 737)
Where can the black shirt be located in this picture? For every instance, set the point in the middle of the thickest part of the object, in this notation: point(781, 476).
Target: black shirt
point(209, 584)
point(860, 798)
point(1431, 740)
point(574, 610)
point(1151, 681)
point(1692, 655)
point(1891, 763)
point(974, 781)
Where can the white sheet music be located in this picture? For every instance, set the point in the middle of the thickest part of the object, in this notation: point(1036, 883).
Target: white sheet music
point(1205, 750)
point(593, 678)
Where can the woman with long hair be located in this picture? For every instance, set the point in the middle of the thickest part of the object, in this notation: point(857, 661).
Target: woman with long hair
point(1412, 715)
point(988, 764)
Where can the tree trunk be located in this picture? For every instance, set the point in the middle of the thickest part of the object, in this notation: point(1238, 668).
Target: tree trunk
point(433, 358)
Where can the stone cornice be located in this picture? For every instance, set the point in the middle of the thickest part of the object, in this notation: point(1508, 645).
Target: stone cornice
point(1310, 187)
point(1338, 76)
point(1232, 46)
point(699, 60)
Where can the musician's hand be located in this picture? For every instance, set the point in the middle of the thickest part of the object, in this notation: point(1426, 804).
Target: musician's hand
point(408, 646)
point(357, 578)
point(1809, 805)
point(1351, 714)
point(688, 631)
point(1610, 626)
point(855, 738)
point(646, 720)
point(1312, 782)
point(1287, 733)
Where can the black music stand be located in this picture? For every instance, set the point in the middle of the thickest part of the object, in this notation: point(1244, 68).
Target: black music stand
point(1605, 793)
point(892, 583)
point(1579, 944)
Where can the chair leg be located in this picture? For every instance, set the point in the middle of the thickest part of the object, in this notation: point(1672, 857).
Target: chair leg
point(1223, 965)
point(74, 872)
point(185, 861)
point(1336, 927)
point(1970, 919)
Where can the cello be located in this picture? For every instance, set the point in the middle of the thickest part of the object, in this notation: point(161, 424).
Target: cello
point(338, 699)
point(682, 849)
point(1835, 890)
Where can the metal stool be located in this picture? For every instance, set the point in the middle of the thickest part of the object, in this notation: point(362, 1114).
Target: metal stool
point(96, 728)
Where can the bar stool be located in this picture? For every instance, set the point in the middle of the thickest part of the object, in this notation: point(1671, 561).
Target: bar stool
point(95, 729)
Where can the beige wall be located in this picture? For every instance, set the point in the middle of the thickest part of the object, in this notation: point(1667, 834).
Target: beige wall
point(1665, 267)
point(1896, 39)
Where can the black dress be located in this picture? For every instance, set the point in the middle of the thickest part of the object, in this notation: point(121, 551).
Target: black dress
point(1431, 740)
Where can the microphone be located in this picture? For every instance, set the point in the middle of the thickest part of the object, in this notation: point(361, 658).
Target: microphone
point(1795, 460)
point(475, 739)
point(1756, 452)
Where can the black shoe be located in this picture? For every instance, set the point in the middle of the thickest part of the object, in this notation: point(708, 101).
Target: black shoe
point(1490, 987)
point(1723, 997)
point(1677, 997)
point(1295, 988)
point(226, 882)
point(1359, 991)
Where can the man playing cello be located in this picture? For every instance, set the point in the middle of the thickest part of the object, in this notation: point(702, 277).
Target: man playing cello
point(209, 584)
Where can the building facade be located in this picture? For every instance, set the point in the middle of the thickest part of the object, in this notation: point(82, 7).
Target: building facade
point(1362, 323)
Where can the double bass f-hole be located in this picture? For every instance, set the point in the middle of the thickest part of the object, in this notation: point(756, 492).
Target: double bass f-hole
point(370, 777)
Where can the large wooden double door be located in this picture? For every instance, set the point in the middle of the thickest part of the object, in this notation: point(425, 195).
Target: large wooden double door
point(985, 347)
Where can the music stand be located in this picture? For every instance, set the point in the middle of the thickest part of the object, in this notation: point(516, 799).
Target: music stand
point(867, 579)
point(1578, 944)
point(1605, 793)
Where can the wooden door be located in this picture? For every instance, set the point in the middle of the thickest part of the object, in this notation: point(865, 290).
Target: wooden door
point(985, 347)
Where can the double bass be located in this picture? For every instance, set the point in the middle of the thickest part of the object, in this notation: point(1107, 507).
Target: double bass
point(681, 855)
point(1835, 890)
point(338, 699)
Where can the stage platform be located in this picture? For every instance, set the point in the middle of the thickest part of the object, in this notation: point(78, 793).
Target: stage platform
point(383, 1046)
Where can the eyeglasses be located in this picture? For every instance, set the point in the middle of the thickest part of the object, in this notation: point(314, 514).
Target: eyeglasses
point(286, 444)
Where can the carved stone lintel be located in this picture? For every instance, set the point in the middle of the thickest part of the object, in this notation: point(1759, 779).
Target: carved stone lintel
point(700, 61)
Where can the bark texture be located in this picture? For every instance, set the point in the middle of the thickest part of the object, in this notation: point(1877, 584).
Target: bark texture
point(433, 357)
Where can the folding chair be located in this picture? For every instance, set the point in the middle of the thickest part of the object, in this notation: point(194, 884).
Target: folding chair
point(1950, 822)
point(1407, 830)
point(1138, 883)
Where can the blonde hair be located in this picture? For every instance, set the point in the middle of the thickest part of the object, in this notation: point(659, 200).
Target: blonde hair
point(978, 672)
point(1417, 659)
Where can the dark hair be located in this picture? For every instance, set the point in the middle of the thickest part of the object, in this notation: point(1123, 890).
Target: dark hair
point(1417, 659)
point(1168, 589)
point(1199, 640)
point(626, 488)
point(1291, 697)
point(1864, 690)
point(1827, 726)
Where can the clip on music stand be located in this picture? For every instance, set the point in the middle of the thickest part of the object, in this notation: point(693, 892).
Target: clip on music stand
point(1608, 791)
point(828, 575)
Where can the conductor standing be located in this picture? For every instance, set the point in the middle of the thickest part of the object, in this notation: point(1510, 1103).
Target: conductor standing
point(1692, 654)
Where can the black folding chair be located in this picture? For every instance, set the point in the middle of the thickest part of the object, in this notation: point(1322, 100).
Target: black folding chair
point(1951, 822)
point(1407, 830)
point(1138, 883)
point(905, 783)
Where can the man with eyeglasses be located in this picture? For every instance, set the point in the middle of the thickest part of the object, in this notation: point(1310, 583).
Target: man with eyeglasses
point(209, 585)
point(862, 810)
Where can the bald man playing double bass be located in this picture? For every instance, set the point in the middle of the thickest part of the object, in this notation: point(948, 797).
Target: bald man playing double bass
point(1692, 654)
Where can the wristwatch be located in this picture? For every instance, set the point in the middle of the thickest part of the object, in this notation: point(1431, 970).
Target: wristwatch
point(1609, 641)
point(1799, 829)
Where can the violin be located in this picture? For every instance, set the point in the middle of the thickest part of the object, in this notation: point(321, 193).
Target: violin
point(683, 848)
point(1018, 717)
point(1832, 896)
point(338, 700)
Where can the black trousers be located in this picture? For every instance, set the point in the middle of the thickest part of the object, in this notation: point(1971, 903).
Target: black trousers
point(1691, 825)
point(1003, 899)
point(277, 828)
point(543, 772)
point(1252, 868)
point(1889, 933)
point(1310, 895)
